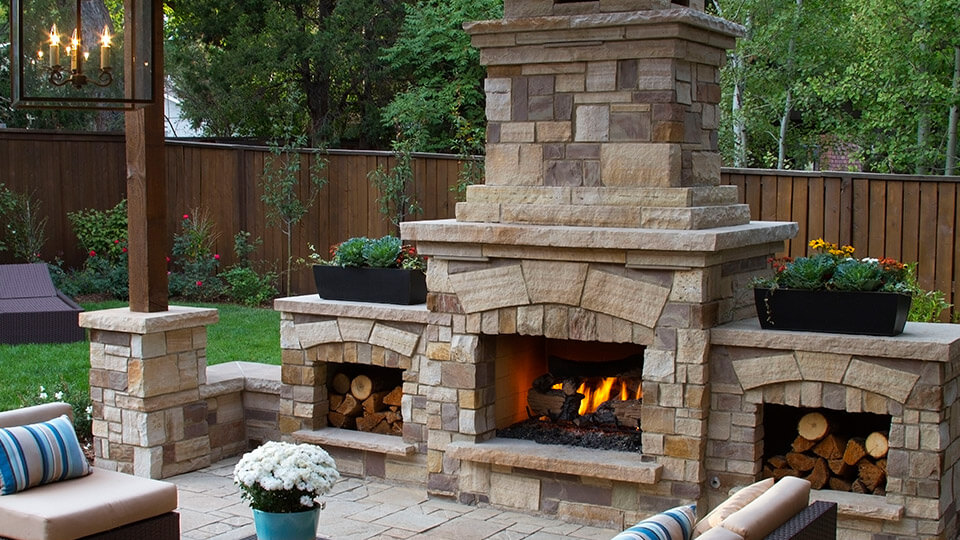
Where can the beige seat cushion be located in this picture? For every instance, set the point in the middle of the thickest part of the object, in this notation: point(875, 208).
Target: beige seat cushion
point(719, 533)
point(770, 510)
point(75, 508)
point(733, 503)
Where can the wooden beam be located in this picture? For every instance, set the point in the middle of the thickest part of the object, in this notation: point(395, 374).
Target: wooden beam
point(147, 188)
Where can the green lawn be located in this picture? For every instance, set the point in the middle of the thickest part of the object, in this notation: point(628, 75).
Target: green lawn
point(243, 333)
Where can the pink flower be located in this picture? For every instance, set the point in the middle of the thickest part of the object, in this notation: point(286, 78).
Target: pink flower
point(93, 253)
point(199, 283)
point(168, 259)
point(186, 216)
point(116, 241)
point(124, 250)
point(216, 256)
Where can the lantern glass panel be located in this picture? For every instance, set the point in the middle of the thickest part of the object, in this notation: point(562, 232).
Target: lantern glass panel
point(60, 64)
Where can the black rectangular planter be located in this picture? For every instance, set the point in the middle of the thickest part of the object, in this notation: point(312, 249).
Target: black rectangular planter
point(842, 312)
point(383, 285)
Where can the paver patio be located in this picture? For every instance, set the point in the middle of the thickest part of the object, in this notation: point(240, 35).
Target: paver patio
point(211, 509)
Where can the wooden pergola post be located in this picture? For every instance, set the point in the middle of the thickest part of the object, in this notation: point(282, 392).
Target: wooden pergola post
point(147, 186)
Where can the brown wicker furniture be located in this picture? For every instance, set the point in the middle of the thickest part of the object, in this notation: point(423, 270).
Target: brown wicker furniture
point(102, 505)
point(32, 310)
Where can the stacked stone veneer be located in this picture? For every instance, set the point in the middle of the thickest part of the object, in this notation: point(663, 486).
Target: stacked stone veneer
point(913, 378)
point(157, 412)
point(315, 334)
point(605, 118)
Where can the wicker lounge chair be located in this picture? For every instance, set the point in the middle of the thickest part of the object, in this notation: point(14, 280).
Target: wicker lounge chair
point(32, 310)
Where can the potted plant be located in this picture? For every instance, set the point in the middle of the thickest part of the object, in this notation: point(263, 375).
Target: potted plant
point(372, 270)
point(831, 291)
point(282, 482)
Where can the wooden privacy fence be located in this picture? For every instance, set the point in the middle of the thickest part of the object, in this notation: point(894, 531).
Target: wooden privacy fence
point(910, 218)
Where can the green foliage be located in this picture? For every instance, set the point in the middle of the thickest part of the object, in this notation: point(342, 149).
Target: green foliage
point(350, 252)
point(76, 395)
point(281, 183)
point(382, 252)
point(443, 97)
point(926, 306)
point(243, 248)
point(866, 79)
point(101, 231)
point(395, 201)
point(280, 69)
point(99, 275)
point(23, 227)
point(246, 286)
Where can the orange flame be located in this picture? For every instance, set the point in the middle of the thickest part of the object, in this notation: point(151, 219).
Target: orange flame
point(596, 394)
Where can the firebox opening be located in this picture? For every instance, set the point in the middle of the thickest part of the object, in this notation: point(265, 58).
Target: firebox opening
point(850, 455)
point(366, 398)
point(568, 392)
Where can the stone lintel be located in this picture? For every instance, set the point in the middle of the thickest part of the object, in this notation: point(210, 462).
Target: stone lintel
point(311, 304)
point(586, 462)
point(356, 440)
point(133, 322)
point(929, 342)
point(602, 238)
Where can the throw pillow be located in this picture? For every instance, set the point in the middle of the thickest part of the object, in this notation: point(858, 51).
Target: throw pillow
point(40, 453)
point(733, 503)
point(674, 524)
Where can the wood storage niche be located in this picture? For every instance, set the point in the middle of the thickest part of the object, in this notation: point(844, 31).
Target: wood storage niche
point(366, 398)
point(835, 450)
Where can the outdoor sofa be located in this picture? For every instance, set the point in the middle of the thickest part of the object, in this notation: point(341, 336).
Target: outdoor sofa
point(764, 510)
point(101, 505)
point(32, 310)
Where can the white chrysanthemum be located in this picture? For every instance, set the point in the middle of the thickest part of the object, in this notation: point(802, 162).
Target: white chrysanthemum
point(304, 469)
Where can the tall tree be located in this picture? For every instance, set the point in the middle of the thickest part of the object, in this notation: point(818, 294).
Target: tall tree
point(280, 68)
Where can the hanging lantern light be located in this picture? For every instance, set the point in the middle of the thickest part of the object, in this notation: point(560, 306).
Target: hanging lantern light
point(70, 58)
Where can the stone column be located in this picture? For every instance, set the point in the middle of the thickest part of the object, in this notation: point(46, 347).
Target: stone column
point(145, 375)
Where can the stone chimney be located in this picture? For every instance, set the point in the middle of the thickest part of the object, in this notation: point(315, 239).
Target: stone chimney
point(603, 113)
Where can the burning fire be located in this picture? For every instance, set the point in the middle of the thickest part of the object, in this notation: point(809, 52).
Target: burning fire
point(598, 391)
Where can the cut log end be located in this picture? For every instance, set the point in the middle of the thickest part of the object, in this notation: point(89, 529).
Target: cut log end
point(813, 426)
point(877, 445)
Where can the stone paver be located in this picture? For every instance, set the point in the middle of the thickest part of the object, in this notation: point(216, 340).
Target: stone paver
point(211, 509)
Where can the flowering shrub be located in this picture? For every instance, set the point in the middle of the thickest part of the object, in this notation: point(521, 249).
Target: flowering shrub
point(195, 264)
point(284, 477)
point(833, 267)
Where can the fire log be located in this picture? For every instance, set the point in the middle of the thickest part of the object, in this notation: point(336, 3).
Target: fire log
point(394, 398)
point(547, 403)
point(802, 444)
point(877, 445)
point(813, 426)
point(801, 462)
point(350, 406)
point(871, 475)
point(361, 387)
point(340, 383)
point(374, 403)
point(830, 447)
point(340, 421)
point(820, 474)
point(854, 452)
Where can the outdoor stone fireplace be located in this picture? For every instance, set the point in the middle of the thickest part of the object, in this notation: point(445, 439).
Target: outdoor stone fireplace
point(602, 225)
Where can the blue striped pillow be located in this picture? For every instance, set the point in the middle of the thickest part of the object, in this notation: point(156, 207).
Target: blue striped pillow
point(674, 524)
point(38, 454)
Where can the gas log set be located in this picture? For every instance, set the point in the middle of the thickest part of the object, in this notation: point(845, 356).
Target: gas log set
point(366, 402)
point(832, 457)
point(601, 410)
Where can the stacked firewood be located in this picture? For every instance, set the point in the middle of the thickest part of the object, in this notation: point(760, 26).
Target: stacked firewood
point(831, 461)
point(362, 404)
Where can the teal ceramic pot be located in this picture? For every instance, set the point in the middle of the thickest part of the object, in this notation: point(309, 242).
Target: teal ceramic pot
point(289, 526)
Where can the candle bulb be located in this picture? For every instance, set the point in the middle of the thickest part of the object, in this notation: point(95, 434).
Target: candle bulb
point(105, 49)
point(75, 46)
point(54, 46)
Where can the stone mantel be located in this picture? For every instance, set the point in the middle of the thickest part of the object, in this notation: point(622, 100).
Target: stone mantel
point(311, 304)
point(661, 19)
point(930, 342)
point(449, 231)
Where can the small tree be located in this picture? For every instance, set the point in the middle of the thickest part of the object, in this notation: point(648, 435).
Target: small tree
point(394, 200)
point(281, 191)
point(24, 228)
